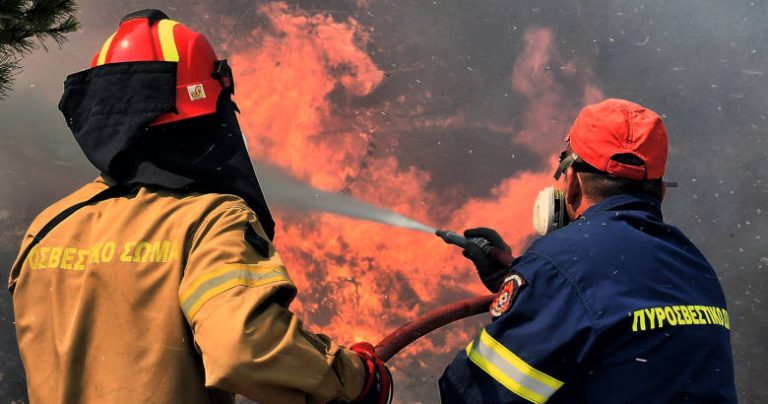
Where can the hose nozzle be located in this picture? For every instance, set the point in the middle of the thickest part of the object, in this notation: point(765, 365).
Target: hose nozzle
point(451, 237)
point(494, 252)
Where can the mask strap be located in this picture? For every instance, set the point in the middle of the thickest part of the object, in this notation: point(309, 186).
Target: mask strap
point(565, 163)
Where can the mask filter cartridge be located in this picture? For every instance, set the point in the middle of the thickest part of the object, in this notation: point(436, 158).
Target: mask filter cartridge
point(549, 211)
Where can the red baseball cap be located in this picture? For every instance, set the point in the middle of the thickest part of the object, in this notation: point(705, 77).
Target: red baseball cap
point(616, 126)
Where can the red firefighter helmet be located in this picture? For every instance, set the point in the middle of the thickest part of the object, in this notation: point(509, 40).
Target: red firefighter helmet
point(149, 35)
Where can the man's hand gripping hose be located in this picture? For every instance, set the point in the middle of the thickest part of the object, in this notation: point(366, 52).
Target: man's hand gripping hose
point(377, 388)
point(496, 259)
point(487, 250)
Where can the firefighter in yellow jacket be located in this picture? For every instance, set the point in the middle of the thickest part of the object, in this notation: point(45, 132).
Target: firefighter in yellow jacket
point(158, 282)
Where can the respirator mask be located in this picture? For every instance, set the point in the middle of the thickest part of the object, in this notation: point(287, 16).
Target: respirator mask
point(549, 212)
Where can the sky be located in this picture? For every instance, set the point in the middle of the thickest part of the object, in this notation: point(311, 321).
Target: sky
point(448, 112)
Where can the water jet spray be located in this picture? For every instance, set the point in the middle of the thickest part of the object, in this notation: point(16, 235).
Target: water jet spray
point(286, 191)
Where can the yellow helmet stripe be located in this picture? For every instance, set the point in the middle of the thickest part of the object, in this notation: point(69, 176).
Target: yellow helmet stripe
point(104, 49)
point(167, 42)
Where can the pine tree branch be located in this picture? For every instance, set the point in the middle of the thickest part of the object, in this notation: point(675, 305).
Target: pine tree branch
point(22, 21)
point(9, 67)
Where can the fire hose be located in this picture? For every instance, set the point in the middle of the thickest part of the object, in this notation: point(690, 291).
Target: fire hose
point(442, 316)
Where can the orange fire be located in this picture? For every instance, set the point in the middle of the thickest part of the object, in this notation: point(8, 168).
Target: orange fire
point(360, 280)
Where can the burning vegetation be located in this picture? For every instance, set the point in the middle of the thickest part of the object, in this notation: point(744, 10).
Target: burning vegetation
point(307, 89)
point(447, 113)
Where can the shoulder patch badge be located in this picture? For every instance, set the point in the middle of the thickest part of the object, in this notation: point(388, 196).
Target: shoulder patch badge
point(507, 294)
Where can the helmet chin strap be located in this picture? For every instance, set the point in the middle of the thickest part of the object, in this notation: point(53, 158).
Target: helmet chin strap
point(223, 73)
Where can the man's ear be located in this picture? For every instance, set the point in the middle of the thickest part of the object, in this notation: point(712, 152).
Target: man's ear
point(573, 192)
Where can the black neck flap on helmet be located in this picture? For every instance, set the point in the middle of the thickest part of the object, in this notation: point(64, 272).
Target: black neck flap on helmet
point(109, 108)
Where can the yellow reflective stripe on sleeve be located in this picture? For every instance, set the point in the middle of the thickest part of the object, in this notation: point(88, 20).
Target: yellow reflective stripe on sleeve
point(512, 372)
point(227, 277)
point(104, 49)
point(167, 42)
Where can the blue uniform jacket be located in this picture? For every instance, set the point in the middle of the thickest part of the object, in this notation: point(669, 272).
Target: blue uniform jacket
point(615, 307)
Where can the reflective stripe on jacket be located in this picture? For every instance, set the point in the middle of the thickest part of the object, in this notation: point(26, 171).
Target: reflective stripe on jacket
point(163, 297)
point(616, 307)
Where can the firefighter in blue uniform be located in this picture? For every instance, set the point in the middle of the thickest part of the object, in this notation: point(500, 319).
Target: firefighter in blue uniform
point(616, 306)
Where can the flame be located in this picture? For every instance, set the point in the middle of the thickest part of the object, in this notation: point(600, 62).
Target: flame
point(301, 60)
point(359, 280)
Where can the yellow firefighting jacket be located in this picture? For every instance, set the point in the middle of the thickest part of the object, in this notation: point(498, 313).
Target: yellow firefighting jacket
point(160, 297)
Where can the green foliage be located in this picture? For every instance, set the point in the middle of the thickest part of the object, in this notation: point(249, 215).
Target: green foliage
point(23, 21)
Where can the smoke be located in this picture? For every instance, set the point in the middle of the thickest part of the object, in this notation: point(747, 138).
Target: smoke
point(447, 112)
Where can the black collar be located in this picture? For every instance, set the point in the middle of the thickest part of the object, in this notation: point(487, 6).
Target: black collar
point(109, 109)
